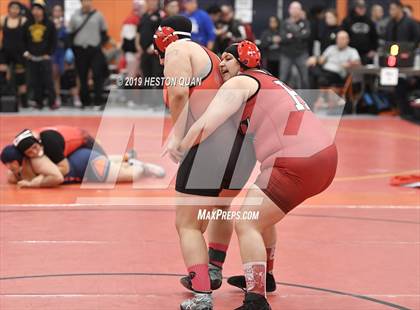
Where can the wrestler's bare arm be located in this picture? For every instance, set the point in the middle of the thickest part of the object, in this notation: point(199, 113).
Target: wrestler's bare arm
point(11, 178)
point(48, 174)
point(178, 65)
point(24, 172)
point(228, 100)
point(64, 166)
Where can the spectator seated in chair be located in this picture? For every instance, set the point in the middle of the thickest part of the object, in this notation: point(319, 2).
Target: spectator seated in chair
point(330, 69)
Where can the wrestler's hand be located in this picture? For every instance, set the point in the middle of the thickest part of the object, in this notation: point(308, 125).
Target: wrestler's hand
point(35, 182)
point(173, 149)
point(24, 184)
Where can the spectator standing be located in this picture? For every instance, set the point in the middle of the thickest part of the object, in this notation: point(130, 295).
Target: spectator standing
point(59, 55)
point(401, 28)
point(316, 21)
point(149, 23)
point(171, 7)
point(40, 42)
point(203, 30)
point(229, 30)
point(215, 13)
point(12, 49)
point(295, 33)
point(362, 31)
point(270, 45)
point(329, 31)
point(408, 9)
point(377, 16)
point(87, 44)
point(130, 46)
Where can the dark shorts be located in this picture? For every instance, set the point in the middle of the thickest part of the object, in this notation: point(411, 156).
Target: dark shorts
point(218, 166)
point(293, 180)
point(2, 57)
point(12, 57)
point(88, 164)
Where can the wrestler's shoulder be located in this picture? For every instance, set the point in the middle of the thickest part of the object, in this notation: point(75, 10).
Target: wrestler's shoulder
point(181, 46)
point(239, 82)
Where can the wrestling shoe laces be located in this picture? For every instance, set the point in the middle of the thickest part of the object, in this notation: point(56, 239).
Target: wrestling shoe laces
point(200, 301)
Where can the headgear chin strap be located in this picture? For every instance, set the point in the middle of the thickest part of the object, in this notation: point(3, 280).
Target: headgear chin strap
point(24, 140)
point(246, 53)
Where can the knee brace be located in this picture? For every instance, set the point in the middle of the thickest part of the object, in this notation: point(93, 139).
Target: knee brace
point(20, 78)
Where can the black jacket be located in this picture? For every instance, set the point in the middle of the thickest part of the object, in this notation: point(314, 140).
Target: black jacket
point(295, 37)
point(40, 38)
point(362, 31)
point(270, 49)
point(148, 25)
point(328, 35)
point(406, 30)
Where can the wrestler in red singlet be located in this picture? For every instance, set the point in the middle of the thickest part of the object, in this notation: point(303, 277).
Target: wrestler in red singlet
point(74, 137)
point(202, 94)
point(289, 139)
point(205, 169)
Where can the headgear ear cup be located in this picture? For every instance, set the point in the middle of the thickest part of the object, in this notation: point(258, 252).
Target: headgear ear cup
point(249, 54)
point(163, 37)
point(24, 140)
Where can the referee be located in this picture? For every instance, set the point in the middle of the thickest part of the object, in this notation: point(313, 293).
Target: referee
point(89, 31)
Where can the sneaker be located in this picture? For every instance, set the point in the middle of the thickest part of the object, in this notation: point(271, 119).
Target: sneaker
point(98, 108)
point(239, 281)
point(58, 101)
point(55, 105)
point(149, 169)
point(216, 279)
point(254, 302)
point(200, 301)
point(154, 170)
point(77, 103)
point(131, 104)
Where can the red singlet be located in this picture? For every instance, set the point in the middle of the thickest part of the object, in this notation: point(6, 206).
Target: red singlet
point(298, 156)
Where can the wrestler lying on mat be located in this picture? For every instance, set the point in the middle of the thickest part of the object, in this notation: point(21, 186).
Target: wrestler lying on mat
point(58, 143)
point(84, 165)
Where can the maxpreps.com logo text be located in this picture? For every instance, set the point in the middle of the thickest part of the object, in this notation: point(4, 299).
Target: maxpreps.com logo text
point(227, 215)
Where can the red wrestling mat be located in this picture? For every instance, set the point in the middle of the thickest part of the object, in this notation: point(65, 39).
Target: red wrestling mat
point(356, 246)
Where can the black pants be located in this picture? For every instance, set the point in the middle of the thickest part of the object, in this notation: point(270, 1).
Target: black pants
point(400, 97)
point(322, 78)
point(273, 66)
point(41, 81)
point(150, 66)
point(90, 58)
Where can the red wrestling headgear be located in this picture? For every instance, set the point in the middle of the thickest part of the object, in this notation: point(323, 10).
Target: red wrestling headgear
point(249, 54)
point(162, 38)
point(171, 29)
